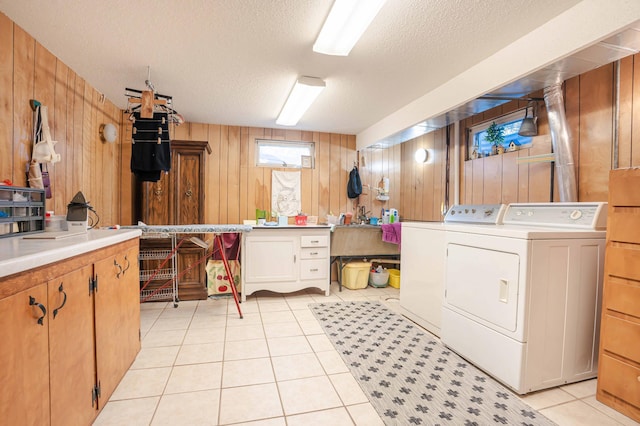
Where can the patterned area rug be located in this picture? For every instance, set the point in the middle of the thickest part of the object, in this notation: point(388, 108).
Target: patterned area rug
point(413, 379)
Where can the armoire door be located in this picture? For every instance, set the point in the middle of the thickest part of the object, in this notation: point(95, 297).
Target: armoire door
point(178, 199)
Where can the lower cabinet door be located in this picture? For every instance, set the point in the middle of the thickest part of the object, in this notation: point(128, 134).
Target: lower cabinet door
point(24, 359)
point(117, 319)
point(71, 349)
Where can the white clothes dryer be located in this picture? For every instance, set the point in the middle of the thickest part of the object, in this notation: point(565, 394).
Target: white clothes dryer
point(422, 261)
point(522, 299)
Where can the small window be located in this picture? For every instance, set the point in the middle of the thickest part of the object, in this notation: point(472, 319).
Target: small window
point(510, 124)
point(289, 154)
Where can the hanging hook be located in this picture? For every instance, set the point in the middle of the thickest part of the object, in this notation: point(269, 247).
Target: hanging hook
point(148, 80)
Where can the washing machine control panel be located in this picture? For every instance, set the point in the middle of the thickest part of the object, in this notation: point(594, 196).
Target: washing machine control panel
point(476, 213)
point(574, 215)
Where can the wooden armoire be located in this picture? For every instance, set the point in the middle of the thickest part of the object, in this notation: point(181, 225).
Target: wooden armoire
point(178, 199)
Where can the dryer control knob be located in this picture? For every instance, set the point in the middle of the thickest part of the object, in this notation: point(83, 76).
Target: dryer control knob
point(575, 215)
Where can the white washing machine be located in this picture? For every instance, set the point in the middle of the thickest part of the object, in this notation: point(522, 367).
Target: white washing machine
point(422, 261)
point(522, 299)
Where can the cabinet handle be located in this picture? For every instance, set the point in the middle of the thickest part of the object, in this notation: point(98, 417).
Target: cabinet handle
point(128, 264)
point(33, 302)
point(314, 270)
point(315, 241)
point(64, 301)
point(115, 263)
point(313, 253)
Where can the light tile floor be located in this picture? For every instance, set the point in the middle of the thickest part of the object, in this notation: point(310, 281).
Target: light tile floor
point(200, 364)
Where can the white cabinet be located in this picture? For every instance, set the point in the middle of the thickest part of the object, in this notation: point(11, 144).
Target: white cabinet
point(422, 280)
point(285, 259)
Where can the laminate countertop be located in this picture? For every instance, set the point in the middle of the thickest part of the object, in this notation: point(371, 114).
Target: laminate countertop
point(19, 254)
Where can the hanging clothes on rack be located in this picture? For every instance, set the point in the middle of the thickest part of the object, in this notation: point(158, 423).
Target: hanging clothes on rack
point(151, 148)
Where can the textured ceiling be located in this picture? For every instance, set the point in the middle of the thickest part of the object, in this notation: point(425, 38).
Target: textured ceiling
point(235, 61)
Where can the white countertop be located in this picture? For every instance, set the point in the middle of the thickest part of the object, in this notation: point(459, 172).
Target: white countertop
point(18, 254)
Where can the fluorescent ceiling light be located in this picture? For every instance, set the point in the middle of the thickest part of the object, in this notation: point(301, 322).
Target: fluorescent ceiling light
point(347, 21)
point(304, 92)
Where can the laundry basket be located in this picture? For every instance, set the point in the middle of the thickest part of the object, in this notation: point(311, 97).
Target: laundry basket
point(355, 275)
point(394, 278)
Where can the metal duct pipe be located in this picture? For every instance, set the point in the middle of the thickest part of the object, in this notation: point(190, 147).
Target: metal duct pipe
point(561, 142)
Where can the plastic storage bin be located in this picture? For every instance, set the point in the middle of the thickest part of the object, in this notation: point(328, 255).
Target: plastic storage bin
point(355, 275)
point(379, 279)
point(394, 278)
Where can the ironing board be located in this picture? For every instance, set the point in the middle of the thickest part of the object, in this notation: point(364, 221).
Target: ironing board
point(217, 230)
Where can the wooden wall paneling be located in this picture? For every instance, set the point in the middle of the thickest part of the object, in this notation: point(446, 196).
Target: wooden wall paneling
point(85, 183)
point(69, 141)
point(625, 112)
point(243, 194)
point(477, 187)
point(233, 174)
point(182, 132)
point(509, 177)
point(348, 160)
point(635, 126)
point(423, 196)
point(212, 176)
point(523, 178)
point(364, 168)
point(58, 124)
point(6, 97)
point(78, 131)
point(223, 188)
point(428, 179)
point(323, 164)
point(540, 173)
point(127, 191)
point(572, 112)
point(97, 174)
point(306, 181)
point(596, 133)
point(335, 178)
point(406, 183)
point(492, 179)
point(315, 187)
point(466, 196)
point(439, 156)
point(198, 132)
point(395, 174)
point(255, 190)
point(23, 90)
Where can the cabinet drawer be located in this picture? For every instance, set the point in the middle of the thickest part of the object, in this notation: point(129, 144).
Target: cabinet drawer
point(624, 178)
point(621, 337)
point(620, 379)
point(623, 261)
point(622, 296)
point(314, 253)
point(314, 269)
point(314, 241)
point(624, 224)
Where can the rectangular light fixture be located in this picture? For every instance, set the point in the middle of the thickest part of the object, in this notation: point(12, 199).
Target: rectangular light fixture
point(304, 92)
point(347, 21)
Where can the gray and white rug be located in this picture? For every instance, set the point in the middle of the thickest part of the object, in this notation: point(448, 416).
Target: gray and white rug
point(410, 377)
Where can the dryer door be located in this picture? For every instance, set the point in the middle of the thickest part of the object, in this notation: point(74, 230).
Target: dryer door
point(482, 284)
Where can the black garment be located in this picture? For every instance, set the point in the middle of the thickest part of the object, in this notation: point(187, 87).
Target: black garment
point(354, 186)
point(148, 157)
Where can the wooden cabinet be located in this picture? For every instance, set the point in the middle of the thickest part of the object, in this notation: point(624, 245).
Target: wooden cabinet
point(117, 318)
point(285, 259)
point(619, 364)
point(24, 358)
point(178, 199)
point(70, 331)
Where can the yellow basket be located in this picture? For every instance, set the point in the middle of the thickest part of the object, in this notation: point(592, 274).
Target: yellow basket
point(355, 275)
point(394, 278)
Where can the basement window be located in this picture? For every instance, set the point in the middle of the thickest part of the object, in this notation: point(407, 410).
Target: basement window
point(511, 125)
point(286, 154)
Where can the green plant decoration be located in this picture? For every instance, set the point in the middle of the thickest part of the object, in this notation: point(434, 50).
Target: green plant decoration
point(495, 135)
